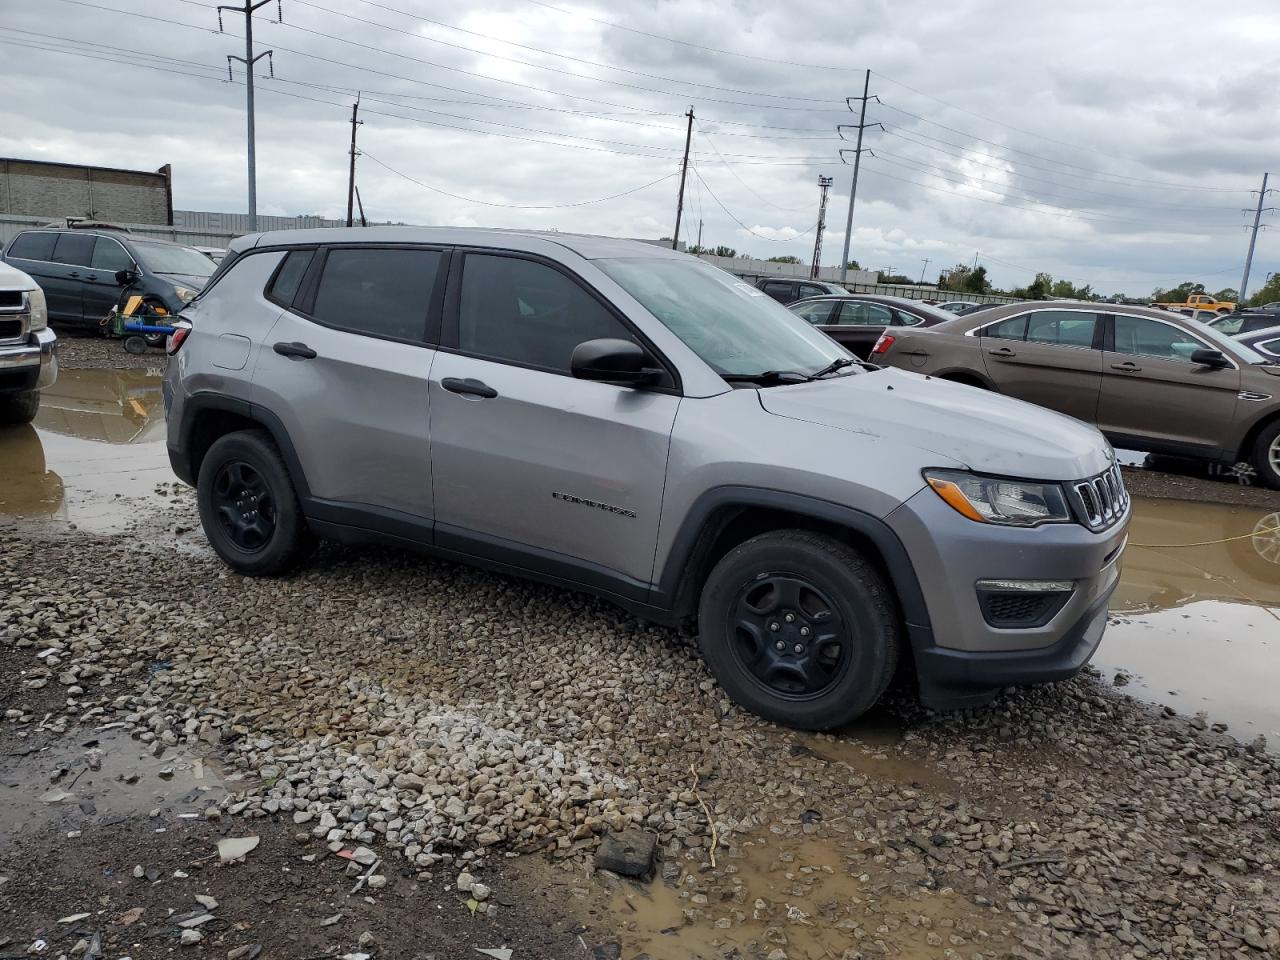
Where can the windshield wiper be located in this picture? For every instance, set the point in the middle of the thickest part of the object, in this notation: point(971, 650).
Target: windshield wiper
point(837, 364)
point(766, 377)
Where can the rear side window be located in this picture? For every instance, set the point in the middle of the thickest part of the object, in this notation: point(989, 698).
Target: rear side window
point(1069, 328)
point(809, 290)
point(855, 314)
point(109, 255)
point(378, 291)
point(778, 289)
point(525, 312)
point(288, 277)
point(816, 313)
point(1015, 328)
point(75, 249)
point(32, 246)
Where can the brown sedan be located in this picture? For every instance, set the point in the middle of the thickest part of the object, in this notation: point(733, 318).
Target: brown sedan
point(1149, 379)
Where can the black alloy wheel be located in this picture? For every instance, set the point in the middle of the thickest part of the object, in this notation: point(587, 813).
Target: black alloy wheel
point(245, 507)
point(789, 636)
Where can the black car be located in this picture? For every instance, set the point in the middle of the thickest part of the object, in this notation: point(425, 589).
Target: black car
point(1265, 340)
point(1245, 321)
point(84, 272)
point(788, 291)
point(856, 320)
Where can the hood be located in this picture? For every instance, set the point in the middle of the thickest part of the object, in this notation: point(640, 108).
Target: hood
point(11, 278)
point(189, 280)
point(985, 431)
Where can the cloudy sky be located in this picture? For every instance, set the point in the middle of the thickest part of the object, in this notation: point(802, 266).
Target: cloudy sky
point(1112, 143)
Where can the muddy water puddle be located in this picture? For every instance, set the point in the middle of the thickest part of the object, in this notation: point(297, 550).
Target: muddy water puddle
point(97, 777)
point(95, 450)
point(1196, 618)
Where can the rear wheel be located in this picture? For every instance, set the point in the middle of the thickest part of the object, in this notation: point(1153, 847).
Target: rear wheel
point(19, 407)
point(799, 628)
point(1266, 455)
point(248, 506)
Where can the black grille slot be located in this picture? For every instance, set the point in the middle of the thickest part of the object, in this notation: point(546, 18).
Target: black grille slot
point(10, 327)
point(1102, 499)
point(1020, 608)
point(9, 299)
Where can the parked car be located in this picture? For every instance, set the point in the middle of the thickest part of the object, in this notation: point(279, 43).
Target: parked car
point(1234, 324)
point(1266, 341)
point(786, 290)
point(631, 422)
point(955, 306)
point(1151, 380)
point(28, 348)
point(855, 321)
point(976, 308)
point(82, 271)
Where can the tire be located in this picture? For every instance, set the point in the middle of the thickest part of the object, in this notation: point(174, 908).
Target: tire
point(248, 507)
point(821, 583)
point(18, 408)
point(1266, 455)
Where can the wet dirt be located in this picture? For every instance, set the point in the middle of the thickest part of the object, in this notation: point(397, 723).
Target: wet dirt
point(94, 455)
point(103, 777)
point(1198, 627)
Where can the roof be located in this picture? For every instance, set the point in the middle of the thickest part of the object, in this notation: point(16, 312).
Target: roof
point(532, 241)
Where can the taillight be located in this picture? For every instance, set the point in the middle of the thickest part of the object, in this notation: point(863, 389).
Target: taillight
point(883, 344)
point(179, 336)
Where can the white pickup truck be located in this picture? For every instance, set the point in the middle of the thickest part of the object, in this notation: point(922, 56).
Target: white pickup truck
point(28, 348)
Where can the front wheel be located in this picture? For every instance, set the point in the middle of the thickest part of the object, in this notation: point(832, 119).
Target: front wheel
point(1266, 455)
point(799, 629)
point(19, 407)
point(248, 506)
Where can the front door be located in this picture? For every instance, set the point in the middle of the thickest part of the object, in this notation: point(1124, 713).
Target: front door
point(1152, 392)
point(101, 292)
point(1049, 358)
point(531, 466)
point(345, 367)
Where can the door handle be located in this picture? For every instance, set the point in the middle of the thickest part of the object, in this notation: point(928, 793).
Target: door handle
point(1127, 367)
point(89, 276)
point(298, 351)
point(469, 387)
point(75, 273)
point(1002, 352)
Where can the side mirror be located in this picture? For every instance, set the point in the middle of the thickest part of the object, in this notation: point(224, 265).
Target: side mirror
point(612, 361)
point(1210, 358)
point(125, 278)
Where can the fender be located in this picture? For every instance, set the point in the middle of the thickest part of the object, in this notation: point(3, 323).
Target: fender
point(699, 528)
point(207, 401)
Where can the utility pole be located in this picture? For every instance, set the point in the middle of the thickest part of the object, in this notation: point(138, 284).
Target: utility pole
point(699, 233)
point(1253, 237)
point(360, 203)
point(249, 60)
point(975, 259)
point(824, 184)
point(684, 171)
point(857, 160)
point(924, 268)
point(351, 176)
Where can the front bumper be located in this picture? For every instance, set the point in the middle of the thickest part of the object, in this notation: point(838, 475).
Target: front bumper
point(961, 660)
point(31, 364)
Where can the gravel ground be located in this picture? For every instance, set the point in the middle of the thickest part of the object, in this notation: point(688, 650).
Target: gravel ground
point(81, 349)
point(448, 720)
point(1191, 481)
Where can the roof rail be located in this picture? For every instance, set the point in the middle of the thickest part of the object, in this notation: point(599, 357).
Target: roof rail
point(84, 223)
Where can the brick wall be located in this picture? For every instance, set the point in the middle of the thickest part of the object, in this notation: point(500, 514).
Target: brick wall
point(54, 190)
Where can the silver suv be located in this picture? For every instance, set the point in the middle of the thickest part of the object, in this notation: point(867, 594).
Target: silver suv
point(621, 419)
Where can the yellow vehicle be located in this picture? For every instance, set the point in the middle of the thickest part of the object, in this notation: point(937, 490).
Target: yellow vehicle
point(1201, 301)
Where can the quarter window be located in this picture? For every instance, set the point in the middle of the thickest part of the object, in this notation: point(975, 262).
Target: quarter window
point(74, 249)
point(289, 277)
point(32, 246)
point(1139, 336)
point(855, 314)
point(109, 255)
point(1015, 328)
point(1069, 328)
point(377, 291)
point(525, 312)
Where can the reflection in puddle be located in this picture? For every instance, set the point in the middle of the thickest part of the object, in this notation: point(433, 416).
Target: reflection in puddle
point(1200, 625)
point(130, 780)
point(97, 442)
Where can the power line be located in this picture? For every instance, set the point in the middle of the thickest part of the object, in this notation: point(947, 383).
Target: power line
point(512, 206)
point(732, 216)
point(728, 166)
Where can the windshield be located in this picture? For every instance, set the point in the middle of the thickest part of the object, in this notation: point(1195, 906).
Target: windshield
point(173, 259)
point(1231, 346)
point(734, 327)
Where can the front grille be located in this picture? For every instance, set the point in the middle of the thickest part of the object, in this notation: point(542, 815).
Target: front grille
point(1102, 500)
point(10, 299)
point(1020, 608)
point(10, 328)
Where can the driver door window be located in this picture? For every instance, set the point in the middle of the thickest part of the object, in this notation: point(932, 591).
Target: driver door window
point(1138, 336)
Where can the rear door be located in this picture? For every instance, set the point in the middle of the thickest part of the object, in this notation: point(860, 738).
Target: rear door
point(1153, 392)
point(72, 264)
point(100, 291)
point(1052, 358)
point(345, 368)
point(857, 325)
point(532, 466)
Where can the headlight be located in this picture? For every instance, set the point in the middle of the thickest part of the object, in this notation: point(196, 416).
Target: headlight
point(1015, 503)
point(39, 310)
point(184, 294)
